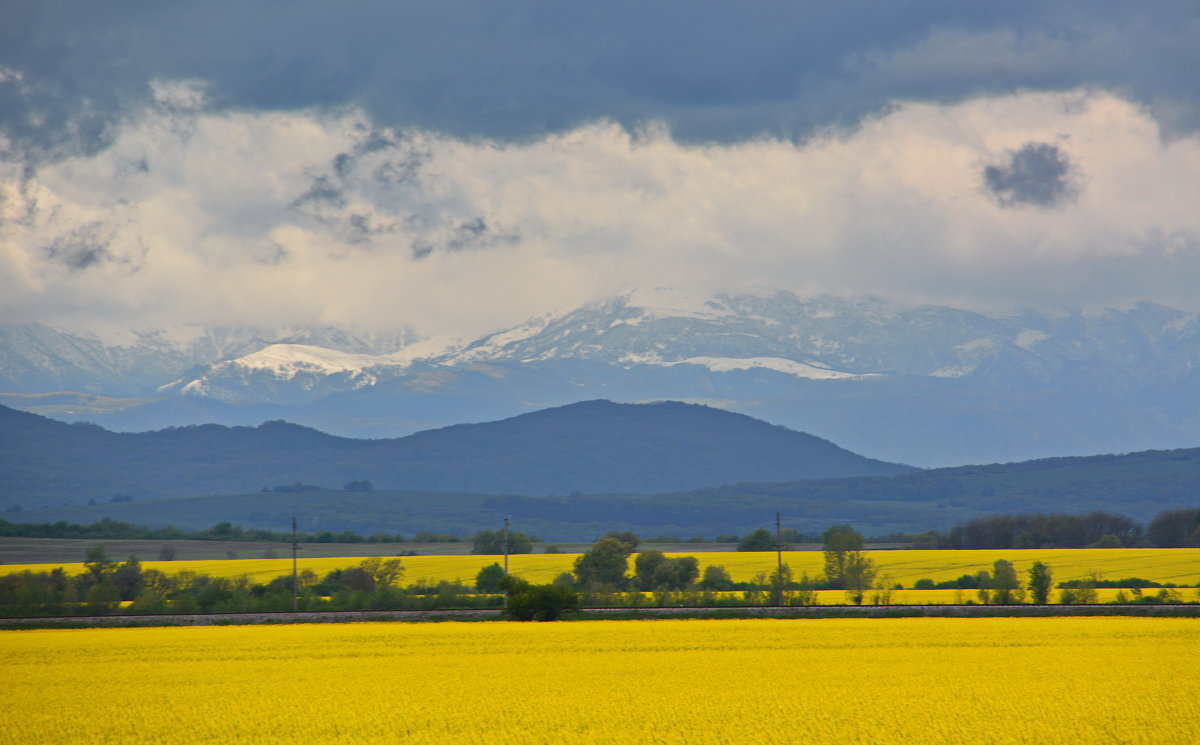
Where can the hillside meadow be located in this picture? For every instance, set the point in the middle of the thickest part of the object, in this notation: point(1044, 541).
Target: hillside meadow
point(1164, 565)
point(1081, 681)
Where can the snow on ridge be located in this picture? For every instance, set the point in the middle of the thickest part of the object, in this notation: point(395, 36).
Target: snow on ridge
point(1029, 337)
point(642, 359)
point(287, 360)
point(493, 346)
point(982, 345)
point(194, 388)
point(958, 371)
point(778, 364)
point(424, 350)
point(664, 302)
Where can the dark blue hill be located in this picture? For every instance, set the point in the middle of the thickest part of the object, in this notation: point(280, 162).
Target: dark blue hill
point(588, 447)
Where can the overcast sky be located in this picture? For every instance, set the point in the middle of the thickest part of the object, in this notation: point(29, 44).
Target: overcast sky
point(459, 166)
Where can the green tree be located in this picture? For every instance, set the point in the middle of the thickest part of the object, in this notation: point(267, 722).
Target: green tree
point(644, 568)
point(842, 547)
point(102, 597)
point(604, 565)
point(1175, 529)
point(383, 572)
point(97, 563)
point(1024, 539)
point(759, 540)
point(491, 542)
point(148, 601)
point(654, 571)
point(930, 539)
point(127, 578)
point(716, 578)
point(1005, 586)
point(779, 579)
point(983, 581)
point(628, 537)
point(804, 590)
point(490, 578)
point(226, 530)
point(1083, 594)
point(858, 574)
point(1041, 580)
point(356, 579)
point(881, 590)
point(565, 579)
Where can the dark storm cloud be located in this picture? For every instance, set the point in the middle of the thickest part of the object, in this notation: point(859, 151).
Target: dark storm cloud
point(1037, 174)
point(516, 70)
point(85, 247)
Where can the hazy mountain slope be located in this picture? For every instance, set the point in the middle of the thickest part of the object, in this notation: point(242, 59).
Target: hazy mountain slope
point(589, 447)
point(35, 358)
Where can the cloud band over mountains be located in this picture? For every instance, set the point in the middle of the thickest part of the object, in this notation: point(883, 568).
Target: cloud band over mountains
point(455, 167)
point(225, 217)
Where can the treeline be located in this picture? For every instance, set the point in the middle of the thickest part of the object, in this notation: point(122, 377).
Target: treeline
point(601, 574)
point(110, 529)
point(1003, 586)
point(1170, 529)
point(600, 578)
point(108, 587)
point(1178, 528)
point(483, 542)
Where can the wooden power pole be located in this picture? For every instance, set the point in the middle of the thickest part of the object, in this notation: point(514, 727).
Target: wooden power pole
point(506, 547)
point(295, 582)
point(506, 563)
point(778, 562)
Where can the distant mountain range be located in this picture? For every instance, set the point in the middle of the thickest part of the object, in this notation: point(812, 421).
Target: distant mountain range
point(926, 385)
point(590, 447)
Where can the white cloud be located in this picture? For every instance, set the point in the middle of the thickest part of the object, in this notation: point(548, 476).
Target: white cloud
point(194, 216)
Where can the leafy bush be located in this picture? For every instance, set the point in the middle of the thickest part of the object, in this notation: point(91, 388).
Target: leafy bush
point(528, 602)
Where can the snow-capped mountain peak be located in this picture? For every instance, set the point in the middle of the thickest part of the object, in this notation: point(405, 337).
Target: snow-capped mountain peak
point(879, 377)
point(285, 361)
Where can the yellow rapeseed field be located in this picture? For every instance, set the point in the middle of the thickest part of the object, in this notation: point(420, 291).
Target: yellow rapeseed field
point(836, 681)
point(537, 568)
point(1175, 565)
point(1180, 566)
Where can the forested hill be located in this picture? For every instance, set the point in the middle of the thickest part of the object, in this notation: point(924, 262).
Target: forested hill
point(589, 447)
point(1135, 484)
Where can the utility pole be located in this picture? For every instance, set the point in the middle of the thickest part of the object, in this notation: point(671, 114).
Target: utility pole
point(506, 562)
point(506, 547)
point(779, 562)
point(295, 583)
